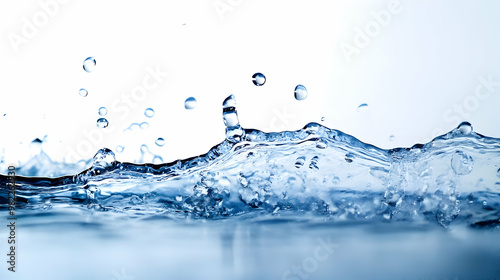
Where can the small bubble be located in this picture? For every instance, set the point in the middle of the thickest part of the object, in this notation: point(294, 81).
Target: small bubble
point(363, 107)
point(157, 160)
point(465, 128)
point(190, 103)
point(299, 162)
point(349, 157)
point(391, 138)
point(89, 64)
point(103, 111)
point(461, 163)
point(144, 125)
point(149, 112)
point(322, 119)
point(258, 79)
point(160, 142)
point(119, 149)
point(83, 92)
point(102, 123)
point(300, 92)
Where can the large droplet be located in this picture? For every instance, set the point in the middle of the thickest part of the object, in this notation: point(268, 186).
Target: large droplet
point(102, 123)
point(258, 79)
point(89, 64)
point(83, 92)
point(190, 103)
point(104, 158)
point(465, 128)
point(461, 163)
point(300, 92)
point(149, 112)
point(103, 111)
point(160, 142)
point(362, 107)
point(234, 132)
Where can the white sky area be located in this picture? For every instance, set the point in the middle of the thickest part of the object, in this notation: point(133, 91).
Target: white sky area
point(421, 66)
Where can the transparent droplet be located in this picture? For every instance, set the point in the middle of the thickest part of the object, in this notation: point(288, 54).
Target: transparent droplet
point(89, 64)
point(157, 159)
point(363, 107)
point(300, 92)
point(144, 125)
point(190, 103)
point(144, 148)
point(461, 163)
point(102, 123)
point(258, 79)
point(103, 158)
point(322, 119)
point(83, 92)
point(103, 111)
point(391, 138)
point(465, 128)
point(160, 142)
point(119, 149)
point(234, 132)
point(349, 157)
point(299, 162)
point(149, 112)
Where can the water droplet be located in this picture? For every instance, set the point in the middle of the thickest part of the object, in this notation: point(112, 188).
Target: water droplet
point(190, 103)
point(119, 149)
point(321, 144)
point(349, 157)
point(89, 64)
point(157, 159)
point(144, 148)
point(149, 112)
point(258, 79)
point(300, 92)
point(322, 119)
point(461, 163)
point(498, 172)
point(314, 163)
point(103, 111)
point(363, 107)
point(83, 92)
point(160, 142)
point(104, 158)
point(299, 162)
point(391, 138)
point(102, 123)
point(144, 125)
point(465, 128)
point(234, 132)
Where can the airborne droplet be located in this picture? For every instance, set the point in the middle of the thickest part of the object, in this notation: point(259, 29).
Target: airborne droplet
point(160, 142)
point(258, 79)
point(300, 92)
point(102, 123)
point(83, 92)
point(363, 107)
point(149, 112)
point(103, 111)
point(190, 103)
point(89, 64)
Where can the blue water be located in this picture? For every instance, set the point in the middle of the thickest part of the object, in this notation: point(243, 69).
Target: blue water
point(256, 204)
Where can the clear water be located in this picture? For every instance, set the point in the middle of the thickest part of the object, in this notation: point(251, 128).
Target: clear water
point(300, 92)
point(258, 79)
point(190, 103)
point(258, 205)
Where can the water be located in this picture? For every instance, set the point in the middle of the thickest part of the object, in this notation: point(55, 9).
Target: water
point(103, 111)
point(190, 103)
point(83, 92)
point(102, 123)
point(149, 113)
point(300, 92)
point(89, 64)
point(362, 107)
point(258, 79)
point(258, 205)
point(160, 142)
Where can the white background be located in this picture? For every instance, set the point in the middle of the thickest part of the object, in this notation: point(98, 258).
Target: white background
point(426, 59)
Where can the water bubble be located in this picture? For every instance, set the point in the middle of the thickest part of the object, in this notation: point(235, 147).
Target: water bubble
point(190, 103)
point(299, 162)
point(349, 157)
point(314, 163)
point(461, 163)
point(363, 107)
point(300, 92)
point(322, 119)
point(258, 79)
point(104, 158)
point(83, 92)
point(160, 142)
point(157, 159)
point(103, 111)
point(119, 149)
point(102, 123)
point(89, 64)
point(144, 125)
point(144, 148)
point(391, 138)
point(149, 112)
point(234, 132)
point(465, 128)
